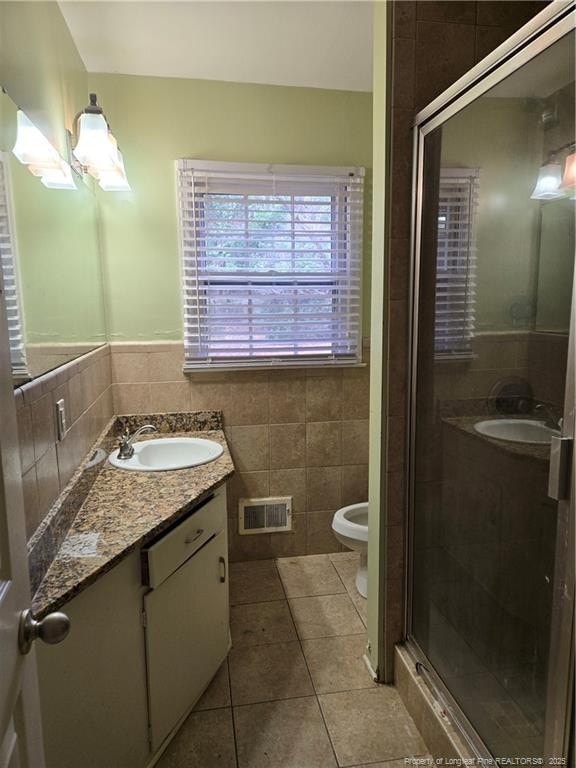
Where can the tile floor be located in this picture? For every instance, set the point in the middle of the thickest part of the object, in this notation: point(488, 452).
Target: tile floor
point(294, 691)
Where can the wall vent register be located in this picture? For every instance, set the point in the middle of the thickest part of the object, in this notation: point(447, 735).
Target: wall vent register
point(268, 515)
point(271, 263)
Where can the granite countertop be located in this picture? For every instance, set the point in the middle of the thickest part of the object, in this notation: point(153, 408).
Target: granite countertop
point(525, 450)
point(124, 510)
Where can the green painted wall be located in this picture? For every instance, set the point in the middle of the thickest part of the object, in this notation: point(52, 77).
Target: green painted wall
point(506, 146)
point(157, 121)
point(40, 67)
point(56, 230)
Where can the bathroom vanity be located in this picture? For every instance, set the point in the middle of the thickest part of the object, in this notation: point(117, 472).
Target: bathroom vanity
point(143, 576)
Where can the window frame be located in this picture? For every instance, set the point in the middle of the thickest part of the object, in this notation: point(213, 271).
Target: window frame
point(459, 352)
point(296, 181)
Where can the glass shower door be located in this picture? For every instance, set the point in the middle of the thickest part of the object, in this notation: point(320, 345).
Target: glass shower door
point(493, 330)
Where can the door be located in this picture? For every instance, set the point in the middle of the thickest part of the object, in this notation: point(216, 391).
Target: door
point(187, 635)
point(20, 727)
point(492, 419)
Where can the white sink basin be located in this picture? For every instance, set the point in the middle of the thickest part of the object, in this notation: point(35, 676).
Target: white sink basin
point(167, 453)
point(517, 430)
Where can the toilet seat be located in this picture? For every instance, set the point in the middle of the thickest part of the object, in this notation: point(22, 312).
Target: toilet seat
point(352, 521)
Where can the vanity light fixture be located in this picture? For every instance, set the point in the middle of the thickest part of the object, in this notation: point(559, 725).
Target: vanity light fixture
point(548, 182)
point(34, 150)
point(97, 150)
point(568, 185)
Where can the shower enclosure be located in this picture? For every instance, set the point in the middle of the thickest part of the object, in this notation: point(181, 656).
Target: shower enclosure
point(491, 539)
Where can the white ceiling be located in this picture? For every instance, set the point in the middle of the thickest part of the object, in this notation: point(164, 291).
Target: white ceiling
point(315, 44)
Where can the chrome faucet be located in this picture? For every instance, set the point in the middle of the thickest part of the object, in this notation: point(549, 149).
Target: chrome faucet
point(551, 423)
point(126, 447)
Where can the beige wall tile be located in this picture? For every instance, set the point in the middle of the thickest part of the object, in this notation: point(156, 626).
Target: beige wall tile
point(354, 484)
point(25, 437)
point(250, 447)
point(324, 396)
point(355, 393)
point(247, 399)
point(323, 489)
point(78, 401)
point(31, 501)
point(128, 367)
point(290, 482)
point(290, 543)
point(43, 428)
point(169, 396)
point(48, 483)
point(166, 366)
point(287, 397)
point(246, 485)
point(131, 398)
point(242, 399)
point(287, 446)
point(89, 379)
point(319, 536)
point(355, 442)
point(323, 443)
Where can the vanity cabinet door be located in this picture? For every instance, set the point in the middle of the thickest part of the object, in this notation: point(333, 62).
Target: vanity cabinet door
point(187, 636)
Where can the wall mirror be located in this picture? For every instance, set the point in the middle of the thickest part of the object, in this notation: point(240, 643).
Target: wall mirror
point(51, 263)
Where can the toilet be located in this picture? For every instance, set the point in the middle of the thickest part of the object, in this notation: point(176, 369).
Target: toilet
point(350, 526)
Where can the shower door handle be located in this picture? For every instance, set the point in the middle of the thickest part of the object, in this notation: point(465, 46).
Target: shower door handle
point(560, 468)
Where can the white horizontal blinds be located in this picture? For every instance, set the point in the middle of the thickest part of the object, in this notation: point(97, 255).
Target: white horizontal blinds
point(271, 264)
point(456, 262)
point(10, 278)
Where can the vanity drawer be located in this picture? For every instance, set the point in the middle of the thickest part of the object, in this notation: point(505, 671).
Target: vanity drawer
point(167, 555)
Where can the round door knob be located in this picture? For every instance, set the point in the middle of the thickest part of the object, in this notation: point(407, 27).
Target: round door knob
point(52, 629)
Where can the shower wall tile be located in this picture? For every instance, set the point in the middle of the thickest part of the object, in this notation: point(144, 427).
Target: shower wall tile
point(445, 52)
point(286, 430)
point(457, 11)
point(404, 19)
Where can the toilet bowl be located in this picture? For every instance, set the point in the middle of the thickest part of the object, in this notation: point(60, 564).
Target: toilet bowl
point(350, 526)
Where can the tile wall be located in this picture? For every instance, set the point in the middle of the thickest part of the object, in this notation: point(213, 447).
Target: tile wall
point(433, 44)
point(48, 464)
point(302, 433)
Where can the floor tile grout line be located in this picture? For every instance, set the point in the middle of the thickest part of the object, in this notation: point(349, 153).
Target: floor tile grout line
point(349, 593)
point(274, 701)
point(232, 712)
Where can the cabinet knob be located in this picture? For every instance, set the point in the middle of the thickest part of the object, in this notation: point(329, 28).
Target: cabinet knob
point(52, 629)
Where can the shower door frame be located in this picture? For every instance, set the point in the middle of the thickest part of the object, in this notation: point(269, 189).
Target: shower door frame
point(541, 32)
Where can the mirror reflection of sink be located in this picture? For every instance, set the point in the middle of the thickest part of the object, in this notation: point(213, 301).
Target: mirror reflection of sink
point(517, 430)
point(169, 453)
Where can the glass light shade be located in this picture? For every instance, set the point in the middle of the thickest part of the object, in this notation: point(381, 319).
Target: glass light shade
point(115, 181)
point(96, 148)
point(32, 148)
point(59, 178)
point(548, 183)
point(568, 184)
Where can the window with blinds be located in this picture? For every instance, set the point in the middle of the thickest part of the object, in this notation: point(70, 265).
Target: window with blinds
point(456, 263)
point(272, 264)
point(10, 277)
